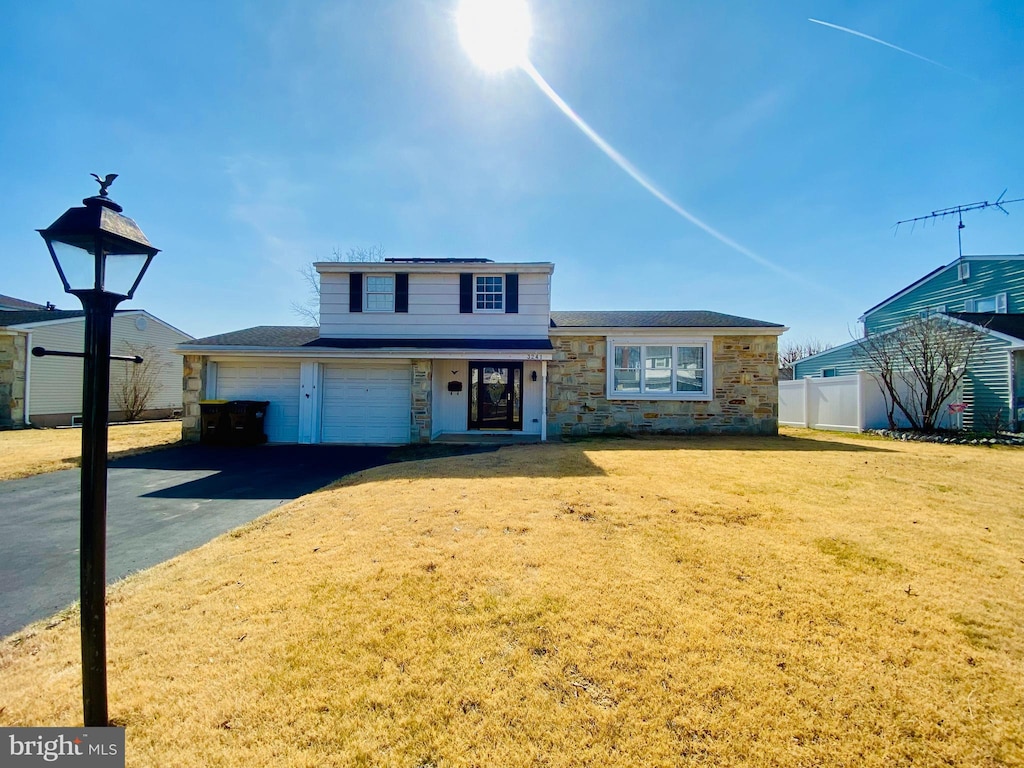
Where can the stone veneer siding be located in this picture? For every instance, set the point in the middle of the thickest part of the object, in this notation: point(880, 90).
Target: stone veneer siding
point(12, 381)
point(422, 387)
point(193, 389)
point(746, 393)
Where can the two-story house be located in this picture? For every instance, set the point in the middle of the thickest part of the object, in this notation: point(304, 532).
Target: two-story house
point(985, 292)
point(415, 350)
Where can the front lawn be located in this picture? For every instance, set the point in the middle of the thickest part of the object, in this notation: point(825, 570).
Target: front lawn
point(796, 601)
point(25, 452)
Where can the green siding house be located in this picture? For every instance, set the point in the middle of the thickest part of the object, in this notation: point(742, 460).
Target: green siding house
point(983, 291)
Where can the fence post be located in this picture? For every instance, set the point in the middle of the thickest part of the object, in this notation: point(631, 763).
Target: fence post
point(860, 400)
point(807, 402)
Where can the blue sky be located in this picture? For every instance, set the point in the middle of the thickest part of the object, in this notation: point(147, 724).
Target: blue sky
point(253, 137)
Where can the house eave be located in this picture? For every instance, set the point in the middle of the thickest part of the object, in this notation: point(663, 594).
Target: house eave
point(346, 267)
point(689, 330)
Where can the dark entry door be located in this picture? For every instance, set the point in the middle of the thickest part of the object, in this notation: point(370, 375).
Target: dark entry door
point(495, 395)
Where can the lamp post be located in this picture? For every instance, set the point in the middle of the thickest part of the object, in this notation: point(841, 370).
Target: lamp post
point(101, 257)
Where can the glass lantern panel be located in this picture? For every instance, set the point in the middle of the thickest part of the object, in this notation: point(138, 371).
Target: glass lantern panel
point(76, 265)
point(122, 271)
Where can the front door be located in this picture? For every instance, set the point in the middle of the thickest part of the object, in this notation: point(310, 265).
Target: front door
point(495, 395)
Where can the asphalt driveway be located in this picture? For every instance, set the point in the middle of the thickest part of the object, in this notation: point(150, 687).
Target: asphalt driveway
point(159, 505)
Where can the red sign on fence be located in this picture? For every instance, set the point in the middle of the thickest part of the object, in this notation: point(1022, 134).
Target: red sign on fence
point(957, 407)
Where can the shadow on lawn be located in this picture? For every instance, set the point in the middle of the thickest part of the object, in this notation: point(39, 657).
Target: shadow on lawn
point(766, 443)
point(289, 471)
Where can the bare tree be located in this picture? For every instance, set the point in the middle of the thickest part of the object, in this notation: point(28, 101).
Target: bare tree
point(791, 351)
point(310, 309)
point(138, 383)
point(919, 366)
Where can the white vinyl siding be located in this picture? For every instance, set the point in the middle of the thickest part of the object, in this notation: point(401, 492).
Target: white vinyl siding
point(56, 382)
point(274, 381)
point(366, 403)
point(434, 311)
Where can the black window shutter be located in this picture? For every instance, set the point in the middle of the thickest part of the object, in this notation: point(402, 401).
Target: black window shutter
point(511, 293)
point(355, 292)
point(465, 293)
point(402, 292)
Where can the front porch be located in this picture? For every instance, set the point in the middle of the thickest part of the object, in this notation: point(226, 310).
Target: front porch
point(487, 438)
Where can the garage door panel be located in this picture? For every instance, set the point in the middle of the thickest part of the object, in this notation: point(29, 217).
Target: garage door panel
point(277, 383)
point(365, 403)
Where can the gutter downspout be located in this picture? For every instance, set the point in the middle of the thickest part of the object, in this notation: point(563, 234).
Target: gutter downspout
point(28, 377)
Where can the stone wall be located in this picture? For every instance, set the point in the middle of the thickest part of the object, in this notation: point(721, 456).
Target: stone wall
point(746, 393)
point(12, 381)
point(422, 389)
point(193, 389)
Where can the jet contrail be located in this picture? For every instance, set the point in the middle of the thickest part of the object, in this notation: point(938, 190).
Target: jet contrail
point(887, 45)
point(640, 179)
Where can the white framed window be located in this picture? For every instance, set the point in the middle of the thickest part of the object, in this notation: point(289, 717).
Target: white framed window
point(931, 311)
point(655, 369)
point(828, 373)
point(489, 293)
point(379, 293)
point(995, 304)
point(963, 270)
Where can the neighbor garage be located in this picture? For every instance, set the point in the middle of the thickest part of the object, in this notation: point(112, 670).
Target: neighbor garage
point(366, 403)
point(275, 382)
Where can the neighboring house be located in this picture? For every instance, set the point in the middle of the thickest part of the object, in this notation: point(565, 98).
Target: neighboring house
point(413, 350)
point(11, 303)
point(985, 292)
point(47, 391)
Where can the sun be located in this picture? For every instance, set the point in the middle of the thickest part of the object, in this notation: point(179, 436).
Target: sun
point(495, 33)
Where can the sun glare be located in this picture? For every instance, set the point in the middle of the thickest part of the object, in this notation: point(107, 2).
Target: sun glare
point(495, 33)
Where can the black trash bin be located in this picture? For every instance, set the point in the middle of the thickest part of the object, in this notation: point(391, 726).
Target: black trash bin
point(214, 417)
point(245, 421)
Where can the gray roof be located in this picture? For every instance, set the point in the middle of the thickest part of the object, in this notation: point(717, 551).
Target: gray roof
point(291, 337)
point(655, 319)
point(9, 302)
point(262, 336)
point(19, 317)
point(1008, 324)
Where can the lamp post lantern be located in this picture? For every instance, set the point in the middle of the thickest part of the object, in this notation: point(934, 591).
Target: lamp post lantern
point(101, 257)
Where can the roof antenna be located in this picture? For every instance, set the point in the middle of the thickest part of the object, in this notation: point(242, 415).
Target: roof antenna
point(959, 211)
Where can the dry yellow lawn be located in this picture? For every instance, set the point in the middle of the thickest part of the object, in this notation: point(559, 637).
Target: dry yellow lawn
point(804, 600)
point(25, 452)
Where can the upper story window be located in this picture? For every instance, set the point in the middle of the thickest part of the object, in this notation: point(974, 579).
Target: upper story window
point(931, 311)
point(379, 293)
point(489, 293)
point(963, 270)
point(660, 370)
point(995, 304)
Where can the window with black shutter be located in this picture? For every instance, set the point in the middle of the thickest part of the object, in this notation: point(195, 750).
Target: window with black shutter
point(466, 293)
point(401, 292)
point(511, 293)
point(355, 292)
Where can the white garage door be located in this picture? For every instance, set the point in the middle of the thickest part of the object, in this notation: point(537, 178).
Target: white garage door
point(277, 383)
point(366, 403)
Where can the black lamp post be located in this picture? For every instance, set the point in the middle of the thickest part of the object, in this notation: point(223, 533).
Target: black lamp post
point(101, 256)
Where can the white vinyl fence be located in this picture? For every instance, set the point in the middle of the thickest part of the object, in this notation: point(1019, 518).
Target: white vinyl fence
point(845, 403)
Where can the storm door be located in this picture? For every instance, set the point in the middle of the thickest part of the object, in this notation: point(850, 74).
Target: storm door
point(495, 395)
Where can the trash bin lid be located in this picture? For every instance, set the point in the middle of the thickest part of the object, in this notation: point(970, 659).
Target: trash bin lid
point(213, 402)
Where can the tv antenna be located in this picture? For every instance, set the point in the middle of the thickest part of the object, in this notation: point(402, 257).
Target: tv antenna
point(959, 211)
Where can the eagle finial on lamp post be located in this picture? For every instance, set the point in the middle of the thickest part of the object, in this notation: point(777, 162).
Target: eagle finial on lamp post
point(105, 182)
